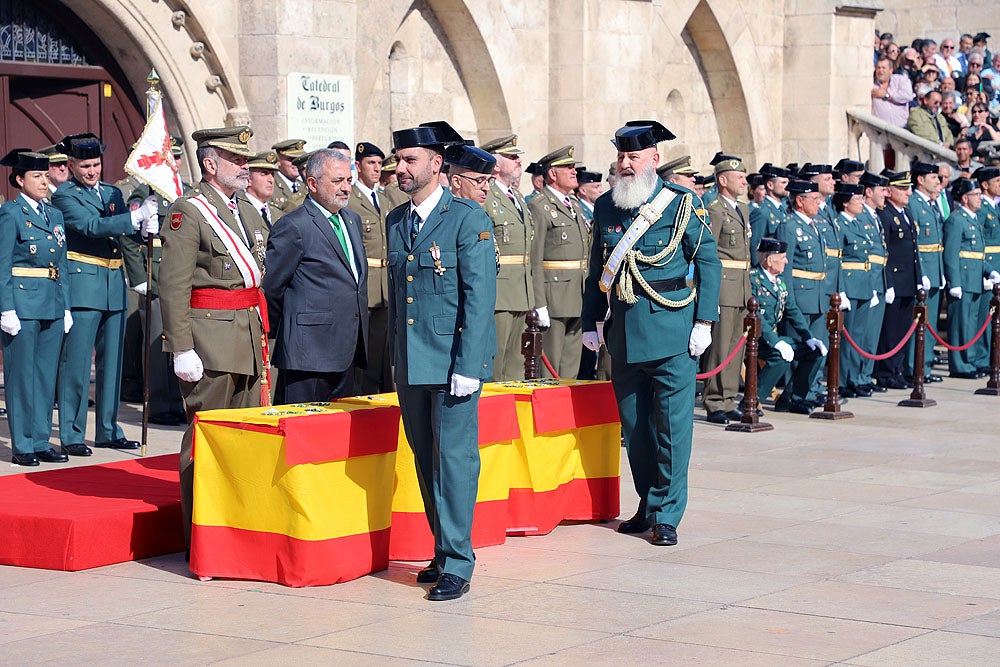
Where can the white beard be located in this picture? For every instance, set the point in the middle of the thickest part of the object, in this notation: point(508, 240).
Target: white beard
point(633, 191)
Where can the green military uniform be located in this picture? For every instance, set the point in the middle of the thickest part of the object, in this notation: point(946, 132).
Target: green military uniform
point(227, 337)
point(442, 286)
point(377, 377)
point(989, 218)
point(558, 267)
point(857, 240)
point(647, 335)
point(805, 276)
point(927, 218)
point(33, 284)
point(869, 335)
point(764, 221)
point(779, 313)
point(731, 229)
point(964, 266)
point(95, 220)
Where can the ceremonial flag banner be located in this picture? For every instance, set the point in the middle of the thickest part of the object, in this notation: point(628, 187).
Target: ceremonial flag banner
point(313, 494)
point(152, 160)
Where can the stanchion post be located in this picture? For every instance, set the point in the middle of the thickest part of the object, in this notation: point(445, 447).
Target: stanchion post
point(750, 422)
point(992, 387)
point(531, 346)
point(918, 399)
point(834, 323)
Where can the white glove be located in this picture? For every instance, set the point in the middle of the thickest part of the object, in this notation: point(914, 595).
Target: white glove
point(463, 386)
point(845, 303)
point(188, 366)
point(543, 317)
point(955, 292)
point(874, 301)
point(925, 283)
point(151, 227)
point(9, 322)
point(142, 288)
point(785, 350)
point(701, 338)
point(890, 295)
point(67, 321)
point(147, 209)
point(995, 277)
point(815, 344)
point(591, 341)
point(987, 285)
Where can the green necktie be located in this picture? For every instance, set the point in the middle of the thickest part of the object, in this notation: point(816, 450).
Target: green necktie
point(339, 231)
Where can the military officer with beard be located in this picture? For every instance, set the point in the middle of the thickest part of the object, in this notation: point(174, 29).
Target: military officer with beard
point(646, 235)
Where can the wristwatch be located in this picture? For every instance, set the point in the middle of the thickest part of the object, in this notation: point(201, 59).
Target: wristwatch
point(886, 97)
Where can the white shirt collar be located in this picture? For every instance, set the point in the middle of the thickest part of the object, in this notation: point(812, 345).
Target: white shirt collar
point(777, 202)
point(728, 201)
point(365, 190)
point(971, 214)
point(560, 196)
point(428, 205)
point(287, 180)
point(803, 216)
point(257, 204)
point(35, 206)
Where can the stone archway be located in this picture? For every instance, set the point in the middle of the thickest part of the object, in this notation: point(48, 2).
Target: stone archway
point(198, 81)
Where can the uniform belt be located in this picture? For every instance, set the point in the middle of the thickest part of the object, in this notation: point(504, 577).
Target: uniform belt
point(876, 259)
point(855, 266)
point(971, 254)
point(742, 265)
point(930, 247)
point(96, 261)
point(992, 249)
point(518, 260)
point(210, 298)
point(564, 264)
point(52, 273)
point(833, 252)
point(811, 275)
point(376, 262)
point(669, 285)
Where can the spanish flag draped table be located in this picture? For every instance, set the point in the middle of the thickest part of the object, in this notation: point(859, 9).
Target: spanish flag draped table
point(315, 494)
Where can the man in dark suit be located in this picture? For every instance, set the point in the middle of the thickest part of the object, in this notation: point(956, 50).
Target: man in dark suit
point(316, 283)
point(442, 286)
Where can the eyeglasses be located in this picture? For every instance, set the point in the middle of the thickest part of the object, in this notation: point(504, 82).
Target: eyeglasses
point(480, 181)
point(975, 64)
point(947, 47)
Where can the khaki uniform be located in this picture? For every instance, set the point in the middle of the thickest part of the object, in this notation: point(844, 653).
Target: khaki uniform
point(227, 341)
point(732, 237)
point(283, 196)
point(559, 255)
point(394, 195)
point(513, 230)
point(377, 378)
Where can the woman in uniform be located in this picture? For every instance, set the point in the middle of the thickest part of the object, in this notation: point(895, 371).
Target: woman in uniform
point(34, 306)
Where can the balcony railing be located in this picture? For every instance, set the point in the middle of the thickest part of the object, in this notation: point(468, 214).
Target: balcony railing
point(871, 136)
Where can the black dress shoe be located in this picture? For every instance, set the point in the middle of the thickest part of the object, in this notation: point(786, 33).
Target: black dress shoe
point(664, 535)
point(981, 374)
point(847, 392)
point(78, 449)
point(863, 392)
point(735, 414)
point(448, 587)
point(876, 388)
point(718, 417)
point(51, 456)
point(969, 375)
point(3, 412)
point(637, 524)
point(933, 378)
point(939, 360)
point(897, 383)
point(429, 574)
point(120, 443)
point(24, 459)
point(796, 405)
point(164, 419)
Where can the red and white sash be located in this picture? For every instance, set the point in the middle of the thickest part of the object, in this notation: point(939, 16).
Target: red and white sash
point(237, 249)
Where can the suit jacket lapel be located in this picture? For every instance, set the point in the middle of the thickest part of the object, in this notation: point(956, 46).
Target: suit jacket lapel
point(326, 229)
point(357, 243)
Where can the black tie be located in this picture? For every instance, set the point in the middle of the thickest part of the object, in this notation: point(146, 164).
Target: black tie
point(414, 225)
point(41, 208)
point(263, 214)
point(375, 202)
point(937, 124)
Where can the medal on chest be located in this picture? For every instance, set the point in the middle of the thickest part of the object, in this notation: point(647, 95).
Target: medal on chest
point(258, 248)
point(436, 256)
point(60, 235)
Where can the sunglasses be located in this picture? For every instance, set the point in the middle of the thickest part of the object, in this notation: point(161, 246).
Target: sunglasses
point(946, 48)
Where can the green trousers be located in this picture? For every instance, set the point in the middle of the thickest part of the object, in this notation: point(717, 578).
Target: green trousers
point(857, 321)
point(30, 364)
point(963, 323)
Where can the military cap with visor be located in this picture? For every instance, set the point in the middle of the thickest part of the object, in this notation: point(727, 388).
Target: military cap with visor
point(870, 180)
point(984, 174)
point(849, 189)
point(85, 146)
point(768, 244)
point(470, 158)
point(365, 149)
point(290, 147)
point(25, 159)
point(503, 146)
point(723, 163)
point(922, 169)
point(232, 139)
point(848, 166)
point(264, 160)
point(963, 186)
point(560, 157)
point(55, 156)
point(435, 135)
point(636, 135)
point(799, 187)
point(681, 166)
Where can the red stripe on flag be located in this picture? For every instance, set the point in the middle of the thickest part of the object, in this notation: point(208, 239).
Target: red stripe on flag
point(498, 419)
point(336, 436)
point(410, 538)
point(539, 512)
point(575, 406)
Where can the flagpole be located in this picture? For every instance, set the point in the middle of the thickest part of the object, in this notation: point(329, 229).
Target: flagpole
point(152, 97)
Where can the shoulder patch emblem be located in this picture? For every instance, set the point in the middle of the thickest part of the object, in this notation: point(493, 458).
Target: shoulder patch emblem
point(484, 236)
point(175, 220)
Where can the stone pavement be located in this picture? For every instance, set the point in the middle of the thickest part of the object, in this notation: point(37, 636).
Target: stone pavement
point(871, 541)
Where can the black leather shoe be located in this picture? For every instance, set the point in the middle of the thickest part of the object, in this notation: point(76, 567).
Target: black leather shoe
point(120, 443)
point(933, 378)
point(24, 459)
point(78, 449)
point(429, 574)
point(847, 392)
point(165, 419)
point(876, 388)
point(735, 414)
point(863, 392)
point(897, 383)
point(796, 405)
point(51, 456)
point(970, 375)
point(448, 587)
point(637, 524)
point(981, 374)
point(718, 417)
point(664, 535)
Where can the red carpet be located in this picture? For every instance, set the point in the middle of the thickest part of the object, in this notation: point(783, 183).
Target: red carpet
point(78, 518)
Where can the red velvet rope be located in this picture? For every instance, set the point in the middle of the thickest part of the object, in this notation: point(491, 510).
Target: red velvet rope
point(972, 342)
point(718, 369)
point(890, 353)
point(545, 360)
